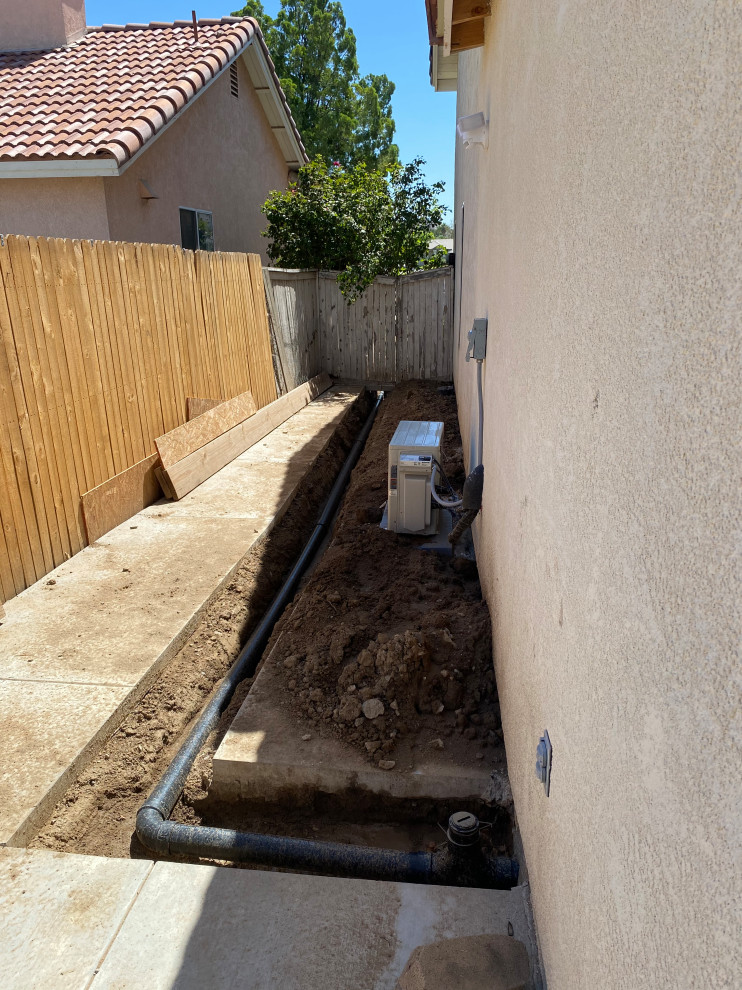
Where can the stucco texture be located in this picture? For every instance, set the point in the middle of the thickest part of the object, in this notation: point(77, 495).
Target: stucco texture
point(220, 156)
point(603, 241)
point(54, 208)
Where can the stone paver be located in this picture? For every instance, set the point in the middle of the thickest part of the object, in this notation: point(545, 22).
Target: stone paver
point(59, 915)
point(97, 630)
point(471, 962)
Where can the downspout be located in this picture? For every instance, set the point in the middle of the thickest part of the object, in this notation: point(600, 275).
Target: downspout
point(165, 837)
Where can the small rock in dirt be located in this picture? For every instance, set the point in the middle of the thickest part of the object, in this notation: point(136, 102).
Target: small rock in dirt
point(52, 581)
point(349, 710)
point(359, 721)
point(334, 597)
point(373, 708)
point(438, 707)
point(394, 707)
point(480, 756)
point(436, 743)
point(289, 663)
point(372, 746)
point(306, 737)
point(387, 764)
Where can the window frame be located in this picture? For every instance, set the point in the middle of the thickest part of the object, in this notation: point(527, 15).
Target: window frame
point(197, 212)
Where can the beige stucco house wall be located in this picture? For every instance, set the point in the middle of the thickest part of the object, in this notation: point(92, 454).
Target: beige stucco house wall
point(602, 239)
point(68, 207)
point(219, 155)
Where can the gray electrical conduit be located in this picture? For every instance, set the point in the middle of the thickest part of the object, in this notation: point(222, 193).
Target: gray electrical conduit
point(480, 437)
point(165, 837)
point(458, 502)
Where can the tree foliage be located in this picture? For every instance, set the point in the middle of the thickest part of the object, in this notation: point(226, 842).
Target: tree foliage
point(359, 221)
point(340, 115)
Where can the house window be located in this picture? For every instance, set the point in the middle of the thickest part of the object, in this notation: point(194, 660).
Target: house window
point(196, 230)
point(234, 81)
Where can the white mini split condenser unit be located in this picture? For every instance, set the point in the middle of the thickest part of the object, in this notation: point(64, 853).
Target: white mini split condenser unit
point(413, 452)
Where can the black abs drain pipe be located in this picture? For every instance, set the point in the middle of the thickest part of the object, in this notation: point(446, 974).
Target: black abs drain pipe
point(165, 837)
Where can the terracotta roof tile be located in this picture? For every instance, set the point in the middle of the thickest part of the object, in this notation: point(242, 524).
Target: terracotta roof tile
point(109, 93)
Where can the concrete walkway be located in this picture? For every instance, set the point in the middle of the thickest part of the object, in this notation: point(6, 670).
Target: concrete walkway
point(86, 923)
point(79, 648)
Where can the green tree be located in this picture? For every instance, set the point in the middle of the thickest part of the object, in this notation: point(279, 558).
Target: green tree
point(359, 221)
point(340, 115)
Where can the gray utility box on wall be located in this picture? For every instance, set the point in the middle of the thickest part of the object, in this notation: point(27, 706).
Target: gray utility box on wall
point(412, 452)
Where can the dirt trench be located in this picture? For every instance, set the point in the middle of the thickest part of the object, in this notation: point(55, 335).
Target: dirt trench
point(96, 814)
point(378, 619)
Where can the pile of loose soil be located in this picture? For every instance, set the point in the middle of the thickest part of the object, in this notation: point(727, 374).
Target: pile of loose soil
point(389, 643)
point(97, 813)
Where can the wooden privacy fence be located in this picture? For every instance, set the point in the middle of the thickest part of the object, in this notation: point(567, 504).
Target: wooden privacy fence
point(101, 344)
point(400, 328)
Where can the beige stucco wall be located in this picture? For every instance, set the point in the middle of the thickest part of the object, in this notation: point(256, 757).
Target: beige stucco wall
point(53, 208)
point(221, 156)
point(32, 25)
point(603, 241)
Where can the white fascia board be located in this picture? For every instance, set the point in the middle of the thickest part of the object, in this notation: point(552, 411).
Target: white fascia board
point(272, 104)
point(447, 26)
point(444, 71)
point(55, 169)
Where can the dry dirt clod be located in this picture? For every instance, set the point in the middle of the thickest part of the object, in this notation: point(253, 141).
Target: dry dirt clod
point(436, 743)
point(387, 764)
point(373, 708)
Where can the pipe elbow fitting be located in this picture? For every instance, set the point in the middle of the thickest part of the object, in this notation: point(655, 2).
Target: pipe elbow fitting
point(152, 830)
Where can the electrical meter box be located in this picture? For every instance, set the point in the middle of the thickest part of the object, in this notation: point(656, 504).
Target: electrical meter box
point(413, 450)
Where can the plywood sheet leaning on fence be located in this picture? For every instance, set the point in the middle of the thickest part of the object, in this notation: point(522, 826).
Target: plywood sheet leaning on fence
point(120, 498)
point(196, 406)
point(184, 439)
point(185, 475)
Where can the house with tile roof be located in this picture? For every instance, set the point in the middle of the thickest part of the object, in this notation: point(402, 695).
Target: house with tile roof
point(163, 133)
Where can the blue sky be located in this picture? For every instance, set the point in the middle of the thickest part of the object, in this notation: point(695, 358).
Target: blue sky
point(392, 38)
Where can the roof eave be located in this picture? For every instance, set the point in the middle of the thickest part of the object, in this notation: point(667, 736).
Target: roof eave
point(273, 101)
point(59, 168)
point(444, 70)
